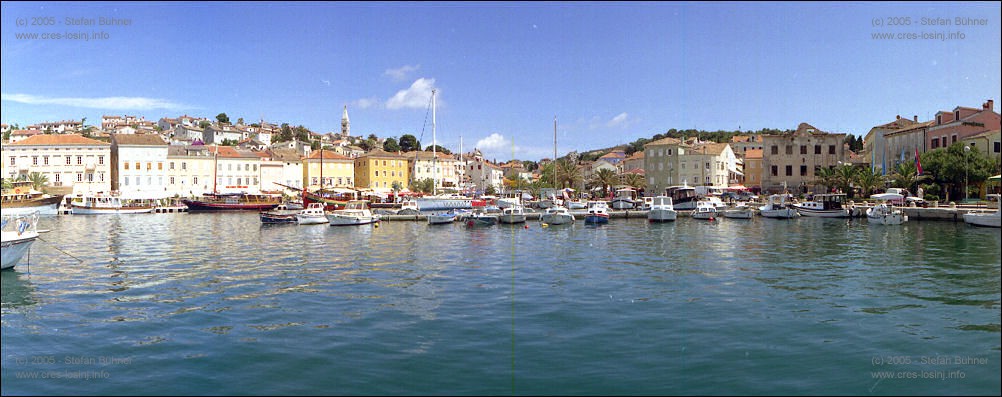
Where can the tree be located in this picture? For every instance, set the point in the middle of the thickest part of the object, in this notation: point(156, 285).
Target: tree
point(490, 190)
point(826, 177)
point(302, 133)
point(530, 165)
point(906, 176)
point(222, 118)
point(425, 185)
point(604, 178)
point(240, 120)
point(437, 148)
point(38, 180)
point(845, 176)
point(867, 179)
point(568, 174)
point(409, 143)
point(204, 124)
point(636, 181)
point(391, 145)
point(285, 133)
point(951, 165)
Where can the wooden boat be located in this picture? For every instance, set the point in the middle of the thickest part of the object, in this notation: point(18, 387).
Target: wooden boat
point(232, 202)
point(740, 211)
point(704, 210)
point(278, 216)
point(109, 204)
point(826, 206)
point(21, 199)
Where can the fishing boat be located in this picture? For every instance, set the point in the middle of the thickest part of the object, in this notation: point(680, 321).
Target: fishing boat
point(991, 219)
point(777, 207)
point(884, 214)
point(18, 234)
point(513, 214)
point(626, 199)
point(277, 216)
point(442, 218)
point(556, 216)
point(21, 199)
point(232, 202)
point(313, 214)
point(683, 197)
point(356, 212)
point(481, 219)
point(598, 213)
point(826, 206)
point(662, 210)
point(408, 207)
point(704, 210)
point(740, 211)
point(108, 204)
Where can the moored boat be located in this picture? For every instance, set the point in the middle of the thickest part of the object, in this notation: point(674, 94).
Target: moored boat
point(21, 199)
point(740, 211)
point(598, 213)
point(356, 212)
point(313, 214)
point(626, 199)
point(513, 214)
point(109, 204)
point(777, 207)
point(826, 206)
point(232, 202)
point(704, 210)
point(683, 197)
point(662, 210)
point(18, 234)
point(884, 214)
point(556, 216)
point(442, 218)
point(481, 219)
point(278, 216)
point(991, 219)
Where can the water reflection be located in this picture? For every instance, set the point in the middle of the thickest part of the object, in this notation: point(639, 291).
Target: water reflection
point(18, 290)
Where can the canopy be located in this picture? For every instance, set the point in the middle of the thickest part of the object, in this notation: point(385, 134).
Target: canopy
point(737, 188)
point(995, 178)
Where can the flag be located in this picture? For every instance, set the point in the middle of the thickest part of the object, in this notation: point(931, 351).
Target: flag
point(918, 165)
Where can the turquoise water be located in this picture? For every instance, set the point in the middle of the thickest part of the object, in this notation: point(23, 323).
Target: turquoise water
point(219, 304)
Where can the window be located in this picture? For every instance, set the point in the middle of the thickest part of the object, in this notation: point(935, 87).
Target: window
point(160, 166)
point(45, 160)
point(998, 147)
point(935, 143)
point(953, 139)
point(102, 177)
point(34, 160)
point(775, 170)
point(57, 177)
point(171, 180)
point(149, 166)
point(239, 181)
point(956, 115)
point(67, 160)
point(79, 177)
point(100, 160)
point(12, 160)
point(775, 149)
point(817, 149)
point(803, 170)
point(137, 166)
point(126, 165)
point(803, 149)
point(707, 165)
point(126, 181)
point(789, 149)
point(789, 170)
point(831, 149)
point(79, 160)
point(184, 165)
point(194, 180)
point(669, 152)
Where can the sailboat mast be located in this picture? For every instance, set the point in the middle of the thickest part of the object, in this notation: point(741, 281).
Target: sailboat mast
point(554, 152)
point(215, 169)
point(434, 153)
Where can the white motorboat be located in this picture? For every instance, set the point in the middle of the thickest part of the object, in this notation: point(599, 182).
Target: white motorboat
point(777, 207)
point(826, 206)
point(108, 204)
point(576, 205)
point(442, 218)
point(481, 219)
point(884, 214)
point(740, 211)
point(704, 210)
point(313, 214)
point(683, 197)
point(556, 216)
point(662, 210)
point(408, 207)
point(626, 199)
point(18, 233)
point(356, 212)
point(990, 219)
point(512, 214)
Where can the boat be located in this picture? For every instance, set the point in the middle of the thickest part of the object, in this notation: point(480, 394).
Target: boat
point(18, 233)
point(598, 213)
point(442, 218)
point(826, 206)
point(232, 202)
point(556, 216)
point(704, 210)
point(683, 197)
point(513, 214)
point(662, 210)
point(777, 207)
point(576, 204)
point(626, 199)
point(647, 203)
point(313, 214)
point(22, 199)
point(356, 212)
point(439, 202)
point(990, 219)
point(884, 214)
point(108, 204)
point(408, 207)
point(481, 219)
point(276, 216)
point(740, 211)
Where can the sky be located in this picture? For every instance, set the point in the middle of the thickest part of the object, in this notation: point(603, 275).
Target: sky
point(609, 73)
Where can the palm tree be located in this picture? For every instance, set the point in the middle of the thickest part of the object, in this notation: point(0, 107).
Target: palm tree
point(845, 176)
point(636, 181)
point(568, 174)
point(38, 180)
point(906, 176)
point(605, 178)
point(869, 179)
point(826, 177)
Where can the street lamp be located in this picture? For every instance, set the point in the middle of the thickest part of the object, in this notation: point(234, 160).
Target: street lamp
point(966, 149)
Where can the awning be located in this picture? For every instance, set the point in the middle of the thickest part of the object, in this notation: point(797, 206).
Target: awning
point(737, 188)
point(995, 178)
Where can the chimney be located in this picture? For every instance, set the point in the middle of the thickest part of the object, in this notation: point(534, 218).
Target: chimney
point(990, 105)
point(915, 118)
point(898, 117)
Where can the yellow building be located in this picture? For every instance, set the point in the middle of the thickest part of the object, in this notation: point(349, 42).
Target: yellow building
point(378, 170)
point(335, 169)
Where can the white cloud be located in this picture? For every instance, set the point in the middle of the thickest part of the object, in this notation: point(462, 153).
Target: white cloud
point(366, 103)
point(619, 120)
point(493, 142)
point(415, 97)
point(401, 73)
point(117, 102)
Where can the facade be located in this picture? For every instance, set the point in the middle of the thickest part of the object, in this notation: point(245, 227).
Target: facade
point(423, 165)
point(334, 169)
point(753, 169)
point(20, 135)
point(292, 167)
point(707, 164)
point(71, 163)
point(902, 144)
point(378, 170)
point(138, 166)
point(875, 146)
point(483, 174)
point(236, 170)
point(660, 162)
point(190, 170)
point(634, 162)
point(962, 122)
point(741, 144)
point(216, 134)
point(988, 143)
point(791, 161)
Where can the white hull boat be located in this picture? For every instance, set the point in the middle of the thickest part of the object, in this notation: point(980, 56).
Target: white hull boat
point(312, 215)
point(662, 210)
point(883, 214)
point(101, 204)
point(777, 208)
point(442, 219)
point(741, 211)
point(356, 212)
point(991, 219)
point(19, 232)
point(556, 216)
point(512, 215)
point(704, 210)
point(826, 206)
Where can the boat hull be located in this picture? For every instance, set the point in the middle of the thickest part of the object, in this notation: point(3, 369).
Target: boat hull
point(44, 206)
point(195, 205)
point(440, 204)
point(986, 220)
point(739, 214)
point(839, 213)
point(273, 217)
point(512, 218)
point(621, 204)
point(311, 219)
point(441, 219)
point(596, 219)
point(557, 219)
point(481, 220)
point(704, 215)
point(785, 213)
point(15, 246)
point(662, 215)
point(349, 220)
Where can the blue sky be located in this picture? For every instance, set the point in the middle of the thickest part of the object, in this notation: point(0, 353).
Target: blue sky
point(609, 72)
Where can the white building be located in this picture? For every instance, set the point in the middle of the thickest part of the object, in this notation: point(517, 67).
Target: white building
point(71, 163)
point(139, 166)
point(292, 168)
point(482, 174)
point(189, 170)
point(424, 166)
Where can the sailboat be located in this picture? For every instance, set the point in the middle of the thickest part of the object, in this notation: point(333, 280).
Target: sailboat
point(557, 214)
point(437, 202)
point(231, 201)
